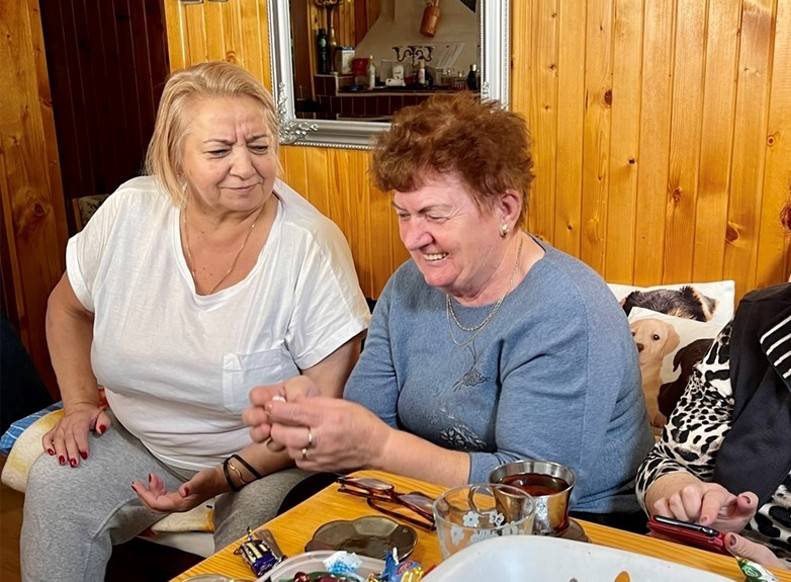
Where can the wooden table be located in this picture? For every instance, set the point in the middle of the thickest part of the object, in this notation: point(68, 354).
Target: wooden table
point(294, 528)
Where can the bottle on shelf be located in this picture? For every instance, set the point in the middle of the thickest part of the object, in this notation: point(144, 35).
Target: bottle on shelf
point(322, 52)
point(332, 47)
point(371, 70)
point(472, 78)
point(421, 73)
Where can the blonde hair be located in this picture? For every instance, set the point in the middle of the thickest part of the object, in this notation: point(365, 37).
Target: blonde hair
point(213, 79)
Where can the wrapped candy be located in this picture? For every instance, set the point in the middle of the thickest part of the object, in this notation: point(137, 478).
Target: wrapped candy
point(395, 571)
point(755, 572)
point(260, 551)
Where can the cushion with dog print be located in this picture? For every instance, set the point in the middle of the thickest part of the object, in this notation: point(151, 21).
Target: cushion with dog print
point(668, 348)
point(698, 301)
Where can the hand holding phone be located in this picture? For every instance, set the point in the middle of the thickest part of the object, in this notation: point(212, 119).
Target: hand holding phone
point(691, 534)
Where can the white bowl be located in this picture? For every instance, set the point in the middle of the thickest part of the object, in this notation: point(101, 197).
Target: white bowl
point(313, 562)
point(552, 559)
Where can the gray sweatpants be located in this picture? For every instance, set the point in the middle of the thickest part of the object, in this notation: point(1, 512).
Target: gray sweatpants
point(73, 516)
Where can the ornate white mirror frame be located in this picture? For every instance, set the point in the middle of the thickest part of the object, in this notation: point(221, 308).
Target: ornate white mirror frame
point(495, 59)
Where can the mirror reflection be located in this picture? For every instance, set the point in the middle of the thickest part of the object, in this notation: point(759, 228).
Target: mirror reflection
point(362, 60)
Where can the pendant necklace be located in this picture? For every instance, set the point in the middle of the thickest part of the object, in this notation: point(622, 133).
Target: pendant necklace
point(191, 262)
point(477, 329)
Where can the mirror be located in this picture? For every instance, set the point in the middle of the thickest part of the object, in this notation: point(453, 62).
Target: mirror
point(319, 94)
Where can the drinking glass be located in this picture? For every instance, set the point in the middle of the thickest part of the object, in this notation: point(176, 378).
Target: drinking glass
point(471, 513)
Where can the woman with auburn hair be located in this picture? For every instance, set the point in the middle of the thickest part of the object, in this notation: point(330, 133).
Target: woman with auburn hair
point(188, 287)
point(489, 345)
point(724, 459)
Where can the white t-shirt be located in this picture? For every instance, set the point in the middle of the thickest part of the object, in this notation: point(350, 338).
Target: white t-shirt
point(178, 366)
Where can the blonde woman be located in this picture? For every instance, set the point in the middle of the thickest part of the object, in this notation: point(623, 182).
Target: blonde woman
point(188, 287)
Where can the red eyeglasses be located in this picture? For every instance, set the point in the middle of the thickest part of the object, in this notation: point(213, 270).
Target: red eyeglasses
point(383, 497)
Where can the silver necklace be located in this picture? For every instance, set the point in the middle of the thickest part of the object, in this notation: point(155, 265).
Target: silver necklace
point(191, 262)
point(477, 329)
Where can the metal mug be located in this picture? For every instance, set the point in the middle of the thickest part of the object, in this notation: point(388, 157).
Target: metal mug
point(552, 509)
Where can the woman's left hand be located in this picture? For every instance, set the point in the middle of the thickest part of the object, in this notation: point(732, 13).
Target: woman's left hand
point(203, 485)
point(328, 434)
point(744, 548)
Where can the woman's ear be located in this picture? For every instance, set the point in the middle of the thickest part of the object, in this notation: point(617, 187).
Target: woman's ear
point(509, 206)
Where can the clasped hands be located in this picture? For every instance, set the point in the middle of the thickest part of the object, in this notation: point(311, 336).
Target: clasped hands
point(319, 433)
point(712, 505)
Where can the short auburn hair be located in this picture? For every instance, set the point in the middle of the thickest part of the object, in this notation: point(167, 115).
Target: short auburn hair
point(212, 79)
point(485, 145)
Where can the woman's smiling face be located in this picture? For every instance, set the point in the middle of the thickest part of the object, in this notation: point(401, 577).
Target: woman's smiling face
point(229, 162)
point(455, 244)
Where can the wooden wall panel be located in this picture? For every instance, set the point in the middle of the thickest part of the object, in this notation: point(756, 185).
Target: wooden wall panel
point(108, 64)
point(33, 210)
point(662, 136)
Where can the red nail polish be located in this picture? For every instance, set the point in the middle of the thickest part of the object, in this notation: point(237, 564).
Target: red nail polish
point(150, 476)
point(186, 491)
point(73, 462)
point(84, 455)
point(101, 429)
point(50, 452)
point(133, 488)
point(61, 460)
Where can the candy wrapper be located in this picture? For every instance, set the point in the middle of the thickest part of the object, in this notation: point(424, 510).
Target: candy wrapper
point(260, 551)
point(395, 571)
point(755, 572)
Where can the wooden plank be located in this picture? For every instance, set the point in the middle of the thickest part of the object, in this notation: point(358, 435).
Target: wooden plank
point(719, 99)
point(685, 140)
point(381, 242)
point(249, 17)
point(194, 30)
point(177, 41)
point(318, 168)
point(263, 35)
point(230, 12)
point(543, 117)
point(624, 141)
point(357, 202)
point(749, 146)
point(35, 207)
point(596, 131)
point(774, 247)
point(571, 109)
point(215, 33)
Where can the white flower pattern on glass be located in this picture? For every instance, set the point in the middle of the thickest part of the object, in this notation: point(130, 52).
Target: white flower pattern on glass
point(471, 519)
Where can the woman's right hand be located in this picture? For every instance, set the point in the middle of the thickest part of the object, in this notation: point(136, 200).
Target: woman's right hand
point(707, 504)
point(69, 439)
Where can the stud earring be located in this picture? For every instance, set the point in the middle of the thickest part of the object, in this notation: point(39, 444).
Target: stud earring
point(504, 230)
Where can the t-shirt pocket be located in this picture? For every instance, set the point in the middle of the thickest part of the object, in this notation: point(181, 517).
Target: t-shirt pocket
point(242, 372)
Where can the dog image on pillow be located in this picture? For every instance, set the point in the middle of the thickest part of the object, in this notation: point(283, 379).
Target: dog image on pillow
point(686, 302)
point(654, 339)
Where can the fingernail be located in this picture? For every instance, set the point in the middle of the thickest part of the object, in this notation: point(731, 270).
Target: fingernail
point(61, 460)
point(101, 429)
point(133, 488)
point(73, 462)
point(732, 541)
point(50, 452)
point(149, 477)
point(186, 491)
point(84, 455)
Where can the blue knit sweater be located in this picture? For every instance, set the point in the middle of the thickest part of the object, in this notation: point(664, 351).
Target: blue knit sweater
point(553, 376)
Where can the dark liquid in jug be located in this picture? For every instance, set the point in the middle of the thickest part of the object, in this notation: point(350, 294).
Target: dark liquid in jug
point(536, 484)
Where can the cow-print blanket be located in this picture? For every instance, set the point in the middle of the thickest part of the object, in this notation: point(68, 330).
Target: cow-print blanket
point(693, 435)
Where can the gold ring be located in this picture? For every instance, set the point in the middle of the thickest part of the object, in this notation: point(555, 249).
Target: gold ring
point(304, 453)
point(310, 439)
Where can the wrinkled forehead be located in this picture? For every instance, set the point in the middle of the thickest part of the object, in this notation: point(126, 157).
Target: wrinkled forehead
point(224, 117)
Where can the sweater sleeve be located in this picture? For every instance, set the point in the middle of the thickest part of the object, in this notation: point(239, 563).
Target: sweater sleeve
point(696, 428)
point(373, 382)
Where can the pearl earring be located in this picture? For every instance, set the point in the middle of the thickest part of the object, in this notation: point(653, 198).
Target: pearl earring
point(504, 230)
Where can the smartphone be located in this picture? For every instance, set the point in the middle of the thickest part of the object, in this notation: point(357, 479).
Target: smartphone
point(691, 534)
